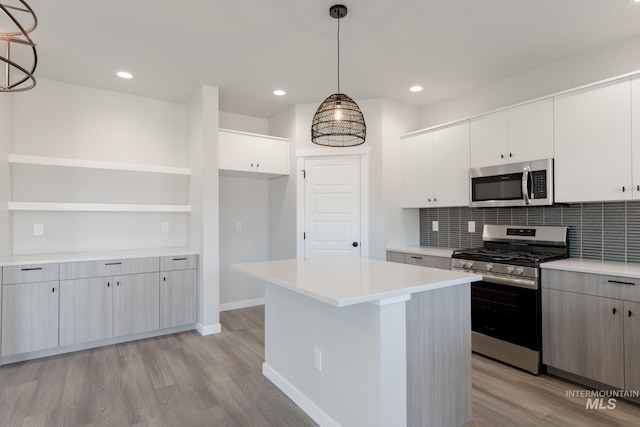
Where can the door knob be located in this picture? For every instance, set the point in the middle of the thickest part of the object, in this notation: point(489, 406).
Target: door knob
point(355, 244)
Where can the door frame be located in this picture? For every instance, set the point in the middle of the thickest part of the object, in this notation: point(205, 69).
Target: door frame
point(363, 153)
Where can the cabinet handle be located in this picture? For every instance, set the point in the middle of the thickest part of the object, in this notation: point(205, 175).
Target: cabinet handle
point(416, 257)
point(502, 156)
point(510, 154)
point(251, 164)
point(623, 189)
point(108, 284)
point(112, 263)
point(180, 259)
point(257, 165)
point(619, 282)
point(614, 310)
point(164, 279)
point(428, 200)
point(637, 187)
point(117, 283)
point(54, 289)
point(629, 313)
point(31, 269)
point(435, 200)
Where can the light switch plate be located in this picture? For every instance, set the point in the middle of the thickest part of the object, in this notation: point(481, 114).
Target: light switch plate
point(471, 226)
point(38, 229)
point(435, 226)
point(164, 227)
point(238, 225)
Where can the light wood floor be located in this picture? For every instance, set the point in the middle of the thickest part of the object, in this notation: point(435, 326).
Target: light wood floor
point(187, 380)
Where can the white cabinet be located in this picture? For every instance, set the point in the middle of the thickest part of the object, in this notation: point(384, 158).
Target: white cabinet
point(29, 317)
point(246, 152)
point(178, 291)
point(593, 143)
point(436, 167)
point(514, 135)
point(635, 134)
point(30, 305)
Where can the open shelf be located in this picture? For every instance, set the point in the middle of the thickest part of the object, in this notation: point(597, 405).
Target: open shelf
point(95, 207)
point(94, 164)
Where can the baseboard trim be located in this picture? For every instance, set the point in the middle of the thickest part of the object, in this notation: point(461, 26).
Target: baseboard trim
point(241, 304)
point(204, 330)
point(310, 408)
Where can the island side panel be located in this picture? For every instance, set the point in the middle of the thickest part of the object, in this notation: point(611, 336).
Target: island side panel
point(439, 357)
point(347, 391)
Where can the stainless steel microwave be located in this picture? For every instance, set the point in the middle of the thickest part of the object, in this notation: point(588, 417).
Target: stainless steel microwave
point(516, 184)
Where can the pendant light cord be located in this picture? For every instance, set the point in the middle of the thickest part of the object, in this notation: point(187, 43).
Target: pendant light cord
point(338, 55)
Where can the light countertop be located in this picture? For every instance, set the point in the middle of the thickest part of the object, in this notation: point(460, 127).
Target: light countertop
point(344, 281)
point(626, 269)
point(93, 256)
point(423, 250)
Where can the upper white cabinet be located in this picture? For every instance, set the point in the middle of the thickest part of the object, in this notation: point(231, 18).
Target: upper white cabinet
point(635, 134)
point(436, 167)
point(258, 154)
point(517, 134)
point(593, 143)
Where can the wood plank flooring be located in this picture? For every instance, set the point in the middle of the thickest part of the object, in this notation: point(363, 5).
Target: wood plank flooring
point(187, 380)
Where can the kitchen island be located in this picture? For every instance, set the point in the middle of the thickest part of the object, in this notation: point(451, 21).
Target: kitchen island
point(359, 342)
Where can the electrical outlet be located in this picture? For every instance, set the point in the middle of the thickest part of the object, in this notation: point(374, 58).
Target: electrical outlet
point(238, 225)
point(435, 226)
point(38, 229)
point(164, 227)
point(471, 226)
point(317, 359)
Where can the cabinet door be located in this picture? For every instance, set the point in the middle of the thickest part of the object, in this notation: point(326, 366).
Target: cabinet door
point(530, 131)
point(451, 165)
point(136, 305)
point(29, 317)
point(631, 345)
point(635, 133)
point(417, 178)
point(488, 140)
point(271, 156)
point(177, 298)
point(86, 307)
point(593, 143)
point(583, 334)
point(235, 151)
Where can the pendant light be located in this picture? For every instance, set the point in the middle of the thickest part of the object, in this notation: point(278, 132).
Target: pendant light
point(18, 77)
point(338, 122)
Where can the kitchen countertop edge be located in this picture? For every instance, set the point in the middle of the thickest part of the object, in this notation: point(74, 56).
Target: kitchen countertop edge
point(423, 250)
point(611, 268)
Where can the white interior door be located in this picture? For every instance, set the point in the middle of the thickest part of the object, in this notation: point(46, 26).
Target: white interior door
point(332, 206)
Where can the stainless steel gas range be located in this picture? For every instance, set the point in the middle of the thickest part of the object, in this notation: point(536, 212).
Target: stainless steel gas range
point(505, 306)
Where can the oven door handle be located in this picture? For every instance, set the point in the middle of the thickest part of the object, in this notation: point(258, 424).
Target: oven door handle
point(525, 184)
point(511, 281)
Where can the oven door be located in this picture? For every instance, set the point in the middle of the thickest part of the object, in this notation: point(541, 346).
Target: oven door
point(507, 313)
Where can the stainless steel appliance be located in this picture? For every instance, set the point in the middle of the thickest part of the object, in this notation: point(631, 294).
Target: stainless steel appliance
point(505, 305)
point(517, 184)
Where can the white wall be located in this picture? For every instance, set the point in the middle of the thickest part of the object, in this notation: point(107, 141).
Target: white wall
point(243, 123)
point(204, 232)
point(62, 120)
point(244, 200)
point(588, 67)
point(6, 113)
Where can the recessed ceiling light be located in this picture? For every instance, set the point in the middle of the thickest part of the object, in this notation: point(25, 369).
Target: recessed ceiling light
point(279, 92)
point(124, 75)
point(416, 88)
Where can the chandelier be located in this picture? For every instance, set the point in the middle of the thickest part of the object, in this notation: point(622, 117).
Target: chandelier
point(338, 122)
point(17, 77)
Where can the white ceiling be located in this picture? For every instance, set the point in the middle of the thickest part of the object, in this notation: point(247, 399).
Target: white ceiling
point(248, 48)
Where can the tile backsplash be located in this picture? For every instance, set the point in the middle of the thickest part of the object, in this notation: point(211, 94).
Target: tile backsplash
point(603, 231)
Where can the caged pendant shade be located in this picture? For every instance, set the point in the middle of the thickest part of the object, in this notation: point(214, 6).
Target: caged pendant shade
point(17, 77)
point(338, 121)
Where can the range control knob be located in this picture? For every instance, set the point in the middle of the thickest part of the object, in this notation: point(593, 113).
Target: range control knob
point(489, 267)
point(519, 271)
point(510, 269)
point(469, 264)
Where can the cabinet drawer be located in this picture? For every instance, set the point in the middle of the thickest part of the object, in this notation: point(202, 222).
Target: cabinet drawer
point(30, 273)
point(84, 269)
point(178, 262)
point(617, 287)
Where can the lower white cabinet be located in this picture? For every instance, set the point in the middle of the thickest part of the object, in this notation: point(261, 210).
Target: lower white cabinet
point(29, 317)
point(632, 345)
point(177, 298)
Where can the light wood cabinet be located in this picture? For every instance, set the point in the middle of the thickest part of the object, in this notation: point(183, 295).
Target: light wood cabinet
point(436, 167)
point(135, 304)
point(177, 298)
point(246, 152)
point(86, 310)
point(517, 134)
point(590, 326)
point(631, 345)
point(593, 148)
point(583, 335)
point(432, 261)
point(29, 317)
